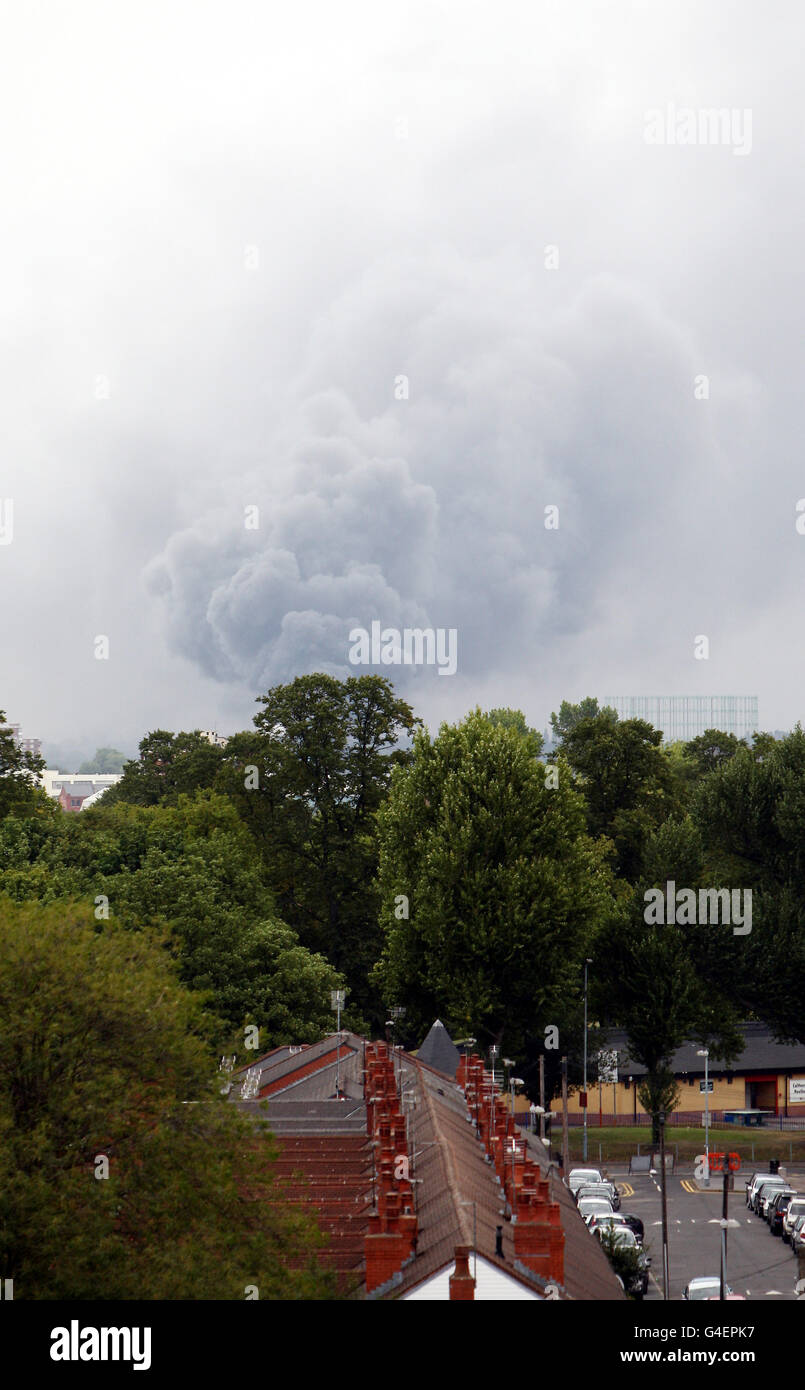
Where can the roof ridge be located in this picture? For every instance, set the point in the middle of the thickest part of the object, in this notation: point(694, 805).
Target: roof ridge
point(452, 1186)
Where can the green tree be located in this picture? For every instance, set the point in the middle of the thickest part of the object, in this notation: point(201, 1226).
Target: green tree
point(627, 782)
point(19, 773)
point(108, 760)
point(168, 765)
point(712, 749)
point(659, 1093)
point(103, 1055)
point(515, 719)
point(751, 815)
point(321, 758)
point(192, 871)
point(490, 887)
point(668, 984)
point(570, 715)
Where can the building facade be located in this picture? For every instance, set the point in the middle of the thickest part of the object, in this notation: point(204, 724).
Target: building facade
point(683, 717)
point(767, 1076)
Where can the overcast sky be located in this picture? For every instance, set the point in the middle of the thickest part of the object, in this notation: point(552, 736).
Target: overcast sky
point(229, 229)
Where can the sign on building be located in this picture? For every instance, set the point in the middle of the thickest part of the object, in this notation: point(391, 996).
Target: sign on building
point(796, 1090)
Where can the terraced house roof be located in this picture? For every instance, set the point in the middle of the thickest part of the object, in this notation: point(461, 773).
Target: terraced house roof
point(410, 1169)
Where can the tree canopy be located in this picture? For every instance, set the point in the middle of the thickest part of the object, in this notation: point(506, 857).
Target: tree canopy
point(125, 1172)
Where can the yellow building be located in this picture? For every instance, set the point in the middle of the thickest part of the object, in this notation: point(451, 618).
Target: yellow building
point(768, 1077)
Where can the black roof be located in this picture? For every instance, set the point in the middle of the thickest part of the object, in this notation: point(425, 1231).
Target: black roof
point(760, 1053)
point(439, 1051)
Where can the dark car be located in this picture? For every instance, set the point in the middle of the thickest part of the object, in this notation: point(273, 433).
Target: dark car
point(767, 1196)
point(634, 1223)
point(777, 1210)
point(765, 1189)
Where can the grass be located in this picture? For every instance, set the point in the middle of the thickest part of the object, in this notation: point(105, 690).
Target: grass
point(618, 1144)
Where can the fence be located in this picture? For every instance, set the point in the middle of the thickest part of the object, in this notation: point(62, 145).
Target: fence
point(683, 1118)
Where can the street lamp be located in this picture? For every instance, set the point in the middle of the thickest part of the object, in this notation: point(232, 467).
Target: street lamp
point(337, 997)
point(725, 1223)
point(665, 1281)
point(587, 962)
point(705, 1053)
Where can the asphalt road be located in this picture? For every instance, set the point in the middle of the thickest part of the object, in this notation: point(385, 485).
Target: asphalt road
point(759, 1265)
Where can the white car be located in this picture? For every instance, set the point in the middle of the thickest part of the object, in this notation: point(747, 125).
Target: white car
point(705, 1286)
point(795, 1208)
point(606, 1221)
point(577, 1177)
point(595, 1206)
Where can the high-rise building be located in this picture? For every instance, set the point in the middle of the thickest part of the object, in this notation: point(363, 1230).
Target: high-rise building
point(683, 717)
point(28, 745)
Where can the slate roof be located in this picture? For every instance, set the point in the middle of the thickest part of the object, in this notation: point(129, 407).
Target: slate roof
point(328, 1161)
point(761, 1053)
point(439, 1051)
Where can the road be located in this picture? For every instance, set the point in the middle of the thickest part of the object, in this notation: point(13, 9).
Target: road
point(759, 1265)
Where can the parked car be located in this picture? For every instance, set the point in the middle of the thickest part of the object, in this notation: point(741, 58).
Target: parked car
point(770, 1195)
point(622, 1237)
point(777, 1209)
point(795, 1208)
point(752, 1182)
point(763, 1189)
point(595, 1206)
point(600, 1189)
point(605, 1219)
point(757, 1182)
point(705, 1286)
point(634, 1223)
point(577, 1177)
point(798, 1234)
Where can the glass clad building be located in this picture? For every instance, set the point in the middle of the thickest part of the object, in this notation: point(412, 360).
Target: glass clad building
point(685, 716)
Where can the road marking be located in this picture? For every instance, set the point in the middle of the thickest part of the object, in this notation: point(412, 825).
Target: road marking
point(626, 1189)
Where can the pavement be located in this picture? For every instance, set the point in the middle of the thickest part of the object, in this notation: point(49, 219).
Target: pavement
point(759, 1265)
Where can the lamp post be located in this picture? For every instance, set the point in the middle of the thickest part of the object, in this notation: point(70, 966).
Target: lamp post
point(705, 1053)
point(587, 962)
point(337, 997)
point(665, 1289)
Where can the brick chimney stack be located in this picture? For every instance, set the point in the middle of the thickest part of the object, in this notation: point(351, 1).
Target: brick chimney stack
point(462, 1284)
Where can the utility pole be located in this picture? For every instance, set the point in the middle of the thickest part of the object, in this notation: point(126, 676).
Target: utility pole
point(542, 1097)
point(584, 1084)
point(565, 1140)
point(724, 1201)
point(665, 1289)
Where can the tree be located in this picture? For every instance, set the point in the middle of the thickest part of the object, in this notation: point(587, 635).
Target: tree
point(712, 749)
point(626, 1259)
point(626, 779)
point(658, 1093)
point(308, 783)
point(490, 887)
point(751, 815)
point(515, 719)
point(126, 1175)
point(108, 760)
point(668, 984)
point(192, 871)
point(570, 715)
point(168, 765)
point(19, 772)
